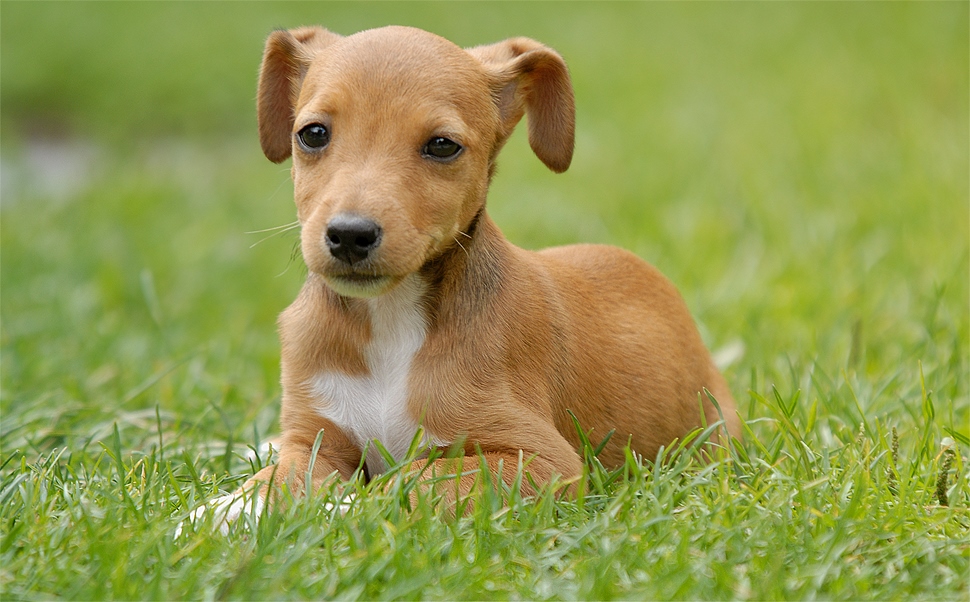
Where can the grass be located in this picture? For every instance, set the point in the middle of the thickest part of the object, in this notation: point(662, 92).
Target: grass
point(799, 171)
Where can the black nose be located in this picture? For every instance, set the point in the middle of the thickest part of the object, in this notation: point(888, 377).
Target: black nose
point(351, 238)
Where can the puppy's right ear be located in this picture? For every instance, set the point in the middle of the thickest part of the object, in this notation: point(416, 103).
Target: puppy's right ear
point(285, 61)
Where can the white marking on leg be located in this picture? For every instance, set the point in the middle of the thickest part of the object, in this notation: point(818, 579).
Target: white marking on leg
point(343, 506)
point(263, 453)
point(225, 510)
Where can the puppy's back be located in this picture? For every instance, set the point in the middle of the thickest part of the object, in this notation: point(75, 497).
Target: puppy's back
point(636, 362)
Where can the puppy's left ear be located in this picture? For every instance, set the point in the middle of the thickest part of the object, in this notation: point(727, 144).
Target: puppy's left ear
point(532, 79)
point(285, 61)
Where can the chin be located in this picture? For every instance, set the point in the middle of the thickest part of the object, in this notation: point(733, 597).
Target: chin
point(361, 287)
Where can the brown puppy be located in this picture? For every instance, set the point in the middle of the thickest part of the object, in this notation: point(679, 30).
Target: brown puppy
point(416, 310)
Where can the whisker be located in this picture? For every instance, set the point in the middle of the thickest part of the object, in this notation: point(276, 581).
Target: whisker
point(293, 255)
point(461, 245)
point(289, 225)
point(285, 229)
point(468, 236)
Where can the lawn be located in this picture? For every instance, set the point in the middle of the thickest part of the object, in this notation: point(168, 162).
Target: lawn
point(800, 171)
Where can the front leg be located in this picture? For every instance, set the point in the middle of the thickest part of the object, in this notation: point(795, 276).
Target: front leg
point(336, 457)
point(458, 479)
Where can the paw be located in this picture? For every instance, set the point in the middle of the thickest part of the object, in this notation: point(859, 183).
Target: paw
point(225, 510)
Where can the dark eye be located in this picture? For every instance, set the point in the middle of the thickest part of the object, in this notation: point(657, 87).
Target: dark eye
point(314, 136)
point(441, 148)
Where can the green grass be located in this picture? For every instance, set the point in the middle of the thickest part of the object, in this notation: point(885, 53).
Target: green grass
point(800, 171)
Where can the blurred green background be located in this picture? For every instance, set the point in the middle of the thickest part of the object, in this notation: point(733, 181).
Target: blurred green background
point(800, 171)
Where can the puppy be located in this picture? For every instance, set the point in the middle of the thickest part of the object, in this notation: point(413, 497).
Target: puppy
point(416, 312)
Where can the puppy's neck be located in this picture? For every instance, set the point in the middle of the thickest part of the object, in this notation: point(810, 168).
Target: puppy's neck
point(469, 274)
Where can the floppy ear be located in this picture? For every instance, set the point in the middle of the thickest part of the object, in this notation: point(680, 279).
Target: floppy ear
point(285, 61)
point(530, 78)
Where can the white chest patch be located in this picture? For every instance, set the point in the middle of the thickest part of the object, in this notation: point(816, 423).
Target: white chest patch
point(374, 407)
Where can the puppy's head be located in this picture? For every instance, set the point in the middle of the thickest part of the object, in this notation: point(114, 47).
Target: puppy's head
point(394, 134)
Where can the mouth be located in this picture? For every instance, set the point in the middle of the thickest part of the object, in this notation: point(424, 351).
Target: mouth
point(353, 284)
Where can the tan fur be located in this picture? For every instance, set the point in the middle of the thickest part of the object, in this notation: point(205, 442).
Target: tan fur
point(515, 339)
